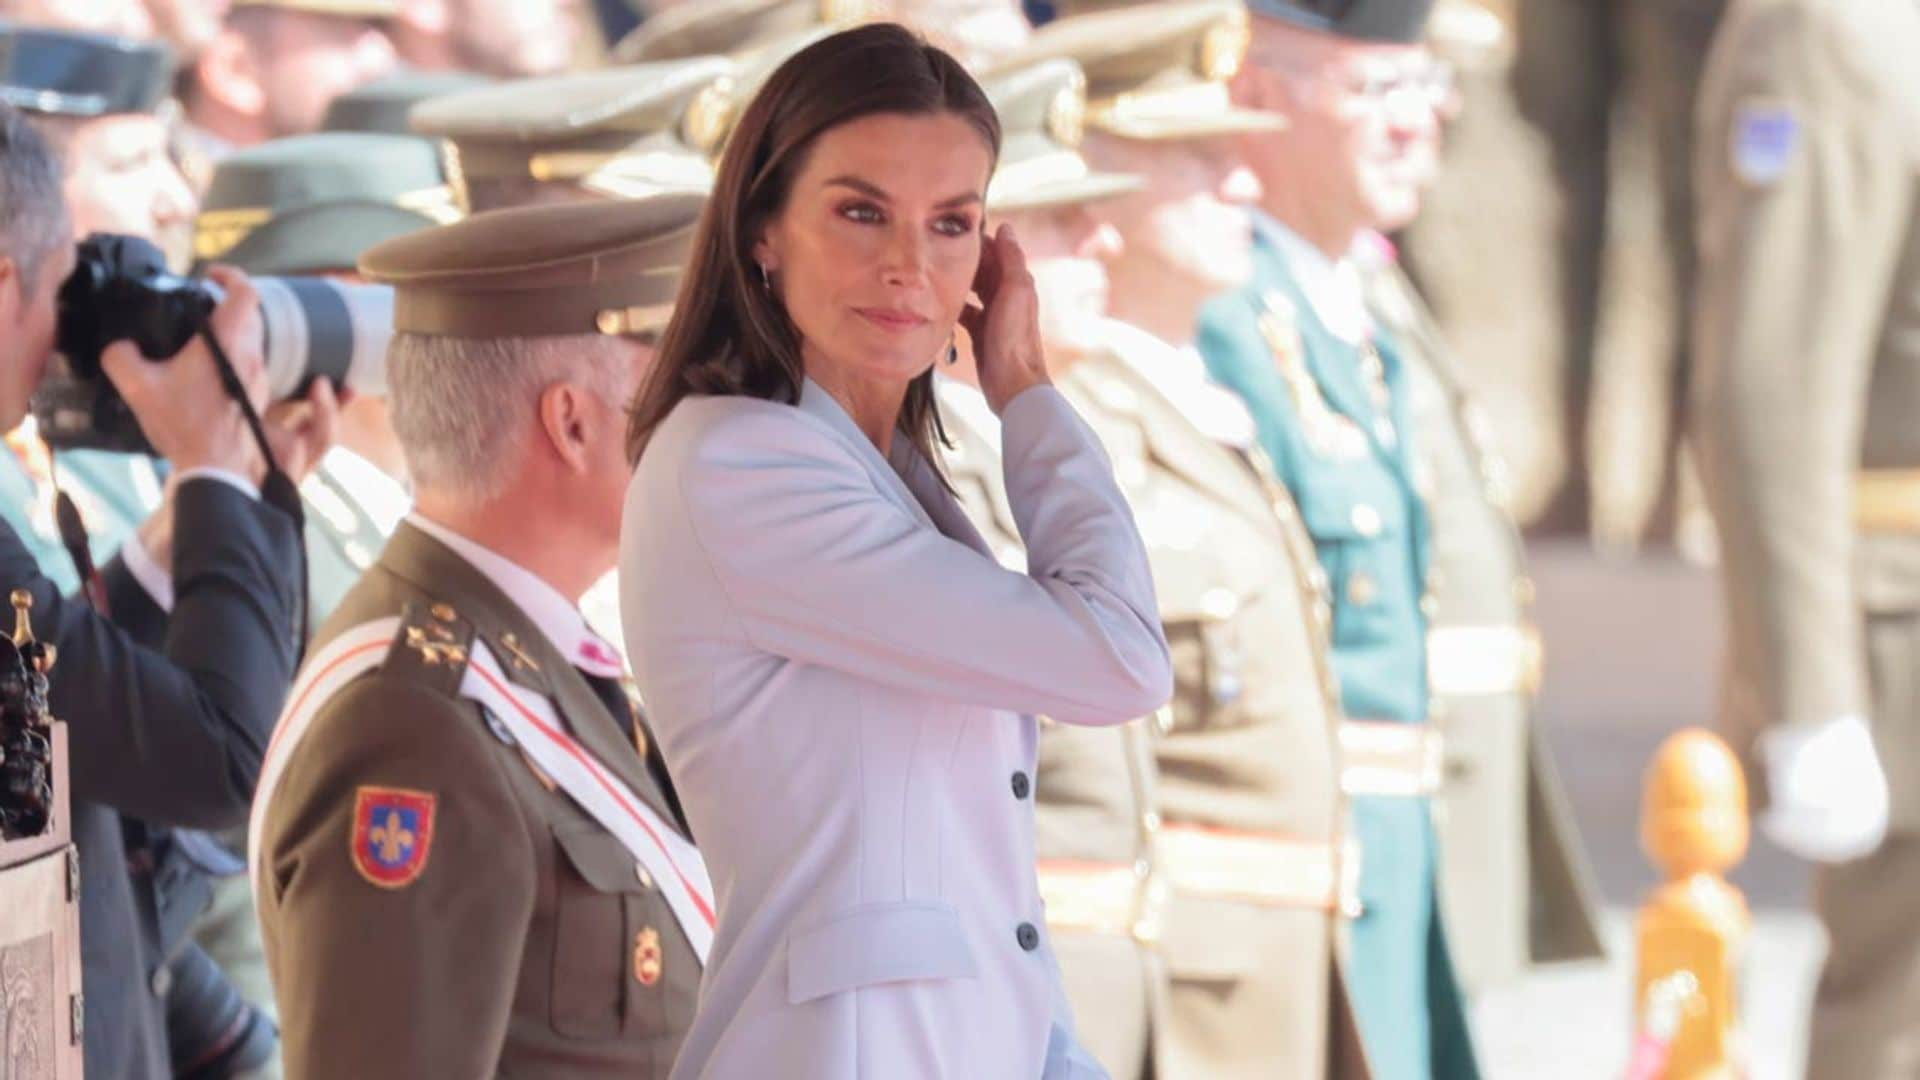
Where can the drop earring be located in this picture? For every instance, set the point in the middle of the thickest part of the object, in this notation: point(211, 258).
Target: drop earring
point(766, 279)
point(953, 353)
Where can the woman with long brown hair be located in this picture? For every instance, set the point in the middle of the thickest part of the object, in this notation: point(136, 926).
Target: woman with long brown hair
point(843, 681)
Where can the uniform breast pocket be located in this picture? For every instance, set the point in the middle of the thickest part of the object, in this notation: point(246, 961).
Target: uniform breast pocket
point(615, 945)
point(1356, 540)
point(1210, 656)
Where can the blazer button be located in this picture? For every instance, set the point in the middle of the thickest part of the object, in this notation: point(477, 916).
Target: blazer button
point(1022, 787)
point(1027, 936)
point(162, 982)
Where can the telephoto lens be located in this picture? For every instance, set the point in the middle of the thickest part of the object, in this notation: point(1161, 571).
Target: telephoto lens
point(121, 290)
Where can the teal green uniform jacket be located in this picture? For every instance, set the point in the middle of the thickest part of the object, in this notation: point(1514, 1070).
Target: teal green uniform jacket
point(1338, 439)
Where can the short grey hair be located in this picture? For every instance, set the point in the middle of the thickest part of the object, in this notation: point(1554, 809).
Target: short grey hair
point(33, 207)
point(465, 408)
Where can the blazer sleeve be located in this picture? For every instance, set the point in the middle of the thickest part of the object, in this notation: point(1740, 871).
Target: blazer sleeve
point(1794, 282)
point(821, 567)
point(175, 735)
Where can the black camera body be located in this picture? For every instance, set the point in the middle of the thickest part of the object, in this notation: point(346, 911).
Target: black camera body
point(120, 290)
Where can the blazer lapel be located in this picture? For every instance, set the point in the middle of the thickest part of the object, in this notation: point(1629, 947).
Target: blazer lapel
point(525, 654)
point(931, 495)
point(816, 402)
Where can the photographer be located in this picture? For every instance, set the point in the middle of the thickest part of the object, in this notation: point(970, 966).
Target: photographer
point(172, 736)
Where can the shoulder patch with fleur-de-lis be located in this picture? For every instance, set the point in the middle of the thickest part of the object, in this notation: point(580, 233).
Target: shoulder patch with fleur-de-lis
point(1329, 434)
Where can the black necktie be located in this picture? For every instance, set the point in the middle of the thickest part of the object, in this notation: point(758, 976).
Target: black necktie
point(622, 709)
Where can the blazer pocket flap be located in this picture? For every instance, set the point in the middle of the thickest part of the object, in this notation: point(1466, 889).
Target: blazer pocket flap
point(598, 856)
point(877, 943)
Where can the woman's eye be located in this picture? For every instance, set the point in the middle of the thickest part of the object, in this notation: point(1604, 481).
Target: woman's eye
point(954, 225)
point(861, 213)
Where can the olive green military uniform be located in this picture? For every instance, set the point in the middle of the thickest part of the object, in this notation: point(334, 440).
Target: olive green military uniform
point(1249, 849)
point(490, 923)
point(1808, 351)
point(1515, 885)
point(616, 134)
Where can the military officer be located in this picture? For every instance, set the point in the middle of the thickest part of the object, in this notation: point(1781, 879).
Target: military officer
point(1807, 345)
point(1248, 800)
point(1516, 885)
point(1328, 391)
point(1094, 816)
point(501, 884)
point(591, 135)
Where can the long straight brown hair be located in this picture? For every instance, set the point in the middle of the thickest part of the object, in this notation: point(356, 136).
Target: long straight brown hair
point(729, 333)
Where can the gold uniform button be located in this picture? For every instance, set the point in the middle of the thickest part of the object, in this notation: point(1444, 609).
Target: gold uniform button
point(1362, 589)
point(1366, 521)
point(646, 879)
point(1429, 605)
point(1219, 603)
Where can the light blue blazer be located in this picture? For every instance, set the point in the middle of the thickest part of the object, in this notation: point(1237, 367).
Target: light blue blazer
point(844, 684)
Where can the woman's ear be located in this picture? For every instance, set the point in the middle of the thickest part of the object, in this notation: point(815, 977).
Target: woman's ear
point(766, 250)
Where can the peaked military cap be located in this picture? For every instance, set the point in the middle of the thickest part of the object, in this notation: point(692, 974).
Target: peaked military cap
point(616, 131)
point(1392, 21)
point(381, 106)
point(713, 27)
point(1158, 71)
point(312, 204)
point(716, 110)
point(70, 73)
point(610, 267)
point(1042, 111)
point(345, 9)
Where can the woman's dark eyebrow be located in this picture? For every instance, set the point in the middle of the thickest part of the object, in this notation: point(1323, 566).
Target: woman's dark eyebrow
point(874, 192)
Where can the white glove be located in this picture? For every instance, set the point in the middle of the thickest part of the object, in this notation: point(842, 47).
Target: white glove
point(1829, 793)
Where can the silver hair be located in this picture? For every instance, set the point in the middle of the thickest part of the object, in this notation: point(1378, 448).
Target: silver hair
point(33, 208)
point(464, 409)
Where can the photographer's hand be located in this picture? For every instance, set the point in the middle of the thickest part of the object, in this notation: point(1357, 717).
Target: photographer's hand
point(181, 403)
point(302, 429)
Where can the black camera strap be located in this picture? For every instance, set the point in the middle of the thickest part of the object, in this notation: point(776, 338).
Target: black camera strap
point(73, 537)
point(279, 490)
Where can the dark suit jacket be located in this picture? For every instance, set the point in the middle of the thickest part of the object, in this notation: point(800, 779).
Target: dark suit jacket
point(172, 737)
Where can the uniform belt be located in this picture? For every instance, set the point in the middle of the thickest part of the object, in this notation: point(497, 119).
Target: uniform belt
point(1379, 757)
point(1887, 501)
point(1466, 660)
point(1269, 869)
point(1100, 898)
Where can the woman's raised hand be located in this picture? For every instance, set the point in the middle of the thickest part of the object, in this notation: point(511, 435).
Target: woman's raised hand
point(1005, 323)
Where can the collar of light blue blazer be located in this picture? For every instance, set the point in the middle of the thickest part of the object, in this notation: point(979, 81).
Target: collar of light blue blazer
point(69, 73)
point(311, 204)
point(623, 132)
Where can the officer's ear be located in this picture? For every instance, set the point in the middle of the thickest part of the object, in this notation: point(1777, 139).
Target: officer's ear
point(567, 422)
point(227, 73)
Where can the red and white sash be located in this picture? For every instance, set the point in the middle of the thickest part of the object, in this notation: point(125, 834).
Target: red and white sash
point(674, 863)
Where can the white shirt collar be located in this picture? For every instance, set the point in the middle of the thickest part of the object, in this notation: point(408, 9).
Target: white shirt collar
point(1180, 373)
point(381, 496)
point(552, 613)
point(1335, 289)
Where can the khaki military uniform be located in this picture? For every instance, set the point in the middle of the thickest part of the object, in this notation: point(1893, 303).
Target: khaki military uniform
point(1808, 344)
point(1515, 886)
point(1249, 790)
point(530, 942)
point(1094, 822)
